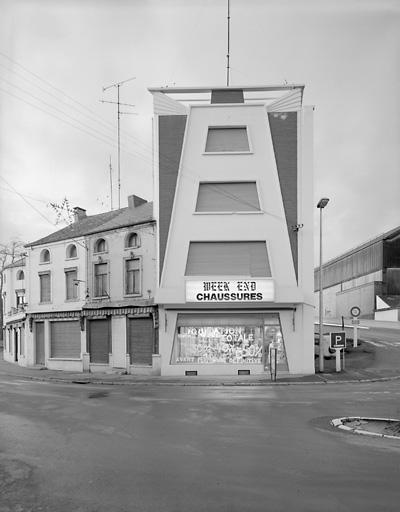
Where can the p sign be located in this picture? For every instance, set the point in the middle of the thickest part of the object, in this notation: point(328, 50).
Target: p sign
point(338, 339)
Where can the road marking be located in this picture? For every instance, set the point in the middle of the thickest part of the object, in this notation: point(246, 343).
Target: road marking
point(376, 344)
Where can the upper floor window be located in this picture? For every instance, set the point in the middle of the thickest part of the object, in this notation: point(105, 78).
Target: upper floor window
point(227, 197)
point(45, 256)
point(132, 240)
point(227, 139)
point(20, 275)
point(45, 290)
point(71, 283)
point(71, 251)
point(132, 276)
point(101, 280)
point(20, 298)
point(100, 245)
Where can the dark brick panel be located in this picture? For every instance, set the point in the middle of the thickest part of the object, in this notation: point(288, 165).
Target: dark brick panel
point(171, 132)
point(283, 127)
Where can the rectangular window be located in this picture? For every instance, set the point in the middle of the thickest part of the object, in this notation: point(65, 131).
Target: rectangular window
point(100, 280)
point(71, 288)
point(227, 139)
point(246, 259)
point(20, 298)
point(228, 339)
point(227, 197)
point(132, 276)
point(45, 292)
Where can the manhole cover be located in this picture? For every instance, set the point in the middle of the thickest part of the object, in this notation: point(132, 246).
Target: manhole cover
point(380, 427)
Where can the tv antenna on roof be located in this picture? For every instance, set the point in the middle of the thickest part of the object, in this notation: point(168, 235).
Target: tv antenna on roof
point(228, 69)
point(118, 85)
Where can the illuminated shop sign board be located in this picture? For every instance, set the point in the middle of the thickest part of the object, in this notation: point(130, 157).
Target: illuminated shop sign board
point(241, 290)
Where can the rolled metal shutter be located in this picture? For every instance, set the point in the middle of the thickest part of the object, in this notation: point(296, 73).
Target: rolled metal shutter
point(228, 197)
point(141, 340)
point(99, 340)
point(65, 340)
point(228, 259)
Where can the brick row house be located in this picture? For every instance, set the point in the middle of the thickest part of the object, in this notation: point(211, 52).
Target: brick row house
point(89, 291)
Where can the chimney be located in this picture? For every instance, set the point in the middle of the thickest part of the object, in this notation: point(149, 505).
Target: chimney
point(135, 201)
point(79, 214)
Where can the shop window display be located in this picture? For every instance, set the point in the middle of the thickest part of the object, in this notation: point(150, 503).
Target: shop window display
point(230, 339)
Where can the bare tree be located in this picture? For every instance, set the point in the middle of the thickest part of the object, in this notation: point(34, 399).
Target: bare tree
point(9, 253)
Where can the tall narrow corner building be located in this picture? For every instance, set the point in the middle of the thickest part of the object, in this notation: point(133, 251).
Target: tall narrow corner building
point(234, 207)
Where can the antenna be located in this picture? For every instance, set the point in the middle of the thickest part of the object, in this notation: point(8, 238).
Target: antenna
point(111, 190)
point(118, 85)
point(228, 70)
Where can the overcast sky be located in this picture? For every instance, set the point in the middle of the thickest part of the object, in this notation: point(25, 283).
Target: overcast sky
point(56, 137)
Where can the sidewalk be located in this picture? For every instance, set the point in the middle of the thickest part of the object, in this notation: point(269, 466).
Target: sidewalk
point(356, 370)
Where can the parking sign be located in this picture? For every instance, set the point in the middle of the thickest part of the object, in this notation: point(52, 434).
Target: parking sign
point(338, 339)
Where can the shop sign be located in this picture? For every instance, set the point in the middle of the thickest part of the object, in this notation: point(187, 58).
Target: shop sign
point(241, 290)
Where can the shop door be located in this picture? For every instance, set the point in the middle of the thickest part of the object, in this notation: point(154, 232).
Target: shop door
point(141, 340)
point(99, 340)
point(15, 345)
point(39, 337)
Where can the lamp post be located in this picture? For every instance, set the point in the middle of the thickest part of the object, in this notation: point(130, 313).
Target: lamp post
point(321, 205)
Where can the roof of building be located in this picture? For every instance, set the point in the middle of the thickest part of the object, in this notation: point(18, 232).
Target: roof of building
point(18, 263)
point(393, 233)
point(106, 221)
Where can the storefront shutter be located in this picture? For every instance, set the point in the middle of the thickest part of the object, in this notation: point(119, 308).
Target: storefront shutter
point(228, 259)
point(99, 340)
point(65, 339)
point(141, 340)
point(227, 197)
point(227, 139)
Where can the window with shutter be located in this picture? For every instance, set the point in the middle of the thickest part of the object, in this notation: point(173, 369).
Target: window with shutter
point(228, 259)
point(100, 280)
point(227, 139)
point(45, 292)
point(71, 276)
point(228, 197)
point(132, 276)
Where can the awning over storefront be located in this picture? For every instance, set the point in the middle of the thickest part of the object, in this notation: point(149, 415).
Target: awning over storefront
point(135, 311)
point(55, 314)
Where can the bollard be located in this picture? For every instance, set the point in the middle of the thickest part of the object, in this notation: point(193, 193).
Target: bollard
point(337, 353)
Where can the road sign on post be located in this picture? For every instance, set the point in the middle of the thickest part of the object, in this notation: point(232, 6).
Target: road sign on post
point(338, 342)
point(355, 312)
point(338, 339)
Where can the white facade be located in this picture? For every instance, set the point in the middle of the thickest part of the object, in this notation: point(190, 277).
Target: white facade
point(292, 303)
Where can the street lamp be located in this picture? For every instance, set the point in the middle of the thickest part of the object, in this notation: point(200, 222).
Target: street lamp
point(321, 205)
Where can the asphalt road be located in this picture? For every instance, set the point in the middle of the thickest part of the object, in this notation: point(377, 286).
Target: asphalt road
point(152, 448)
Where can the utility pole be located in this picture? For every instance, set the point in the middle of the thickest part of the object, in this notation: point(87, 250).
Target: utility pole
point(228, 54)
point(111, 188)
point(118, 103)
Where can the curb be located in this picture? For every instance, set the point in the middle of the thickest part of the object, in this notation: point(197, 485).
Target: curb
point(201, 383)
point(338, 423)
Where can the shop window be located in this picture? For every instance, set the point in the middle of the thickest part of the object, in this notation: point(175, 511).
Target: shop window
point(227, 139)
point(100, 245)
point(45, 256)
point(71, 284)
point(132, 276)
point(45, 286)
point(101, 280)
point(227, 197)
point(20, 275)
point(71, 251)
point(132, 241)
point(246, 259)
point(228, 339)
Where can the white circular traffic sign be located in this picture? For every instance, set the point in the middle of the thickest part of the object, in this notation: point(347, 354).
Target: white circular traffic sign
point(355, 311)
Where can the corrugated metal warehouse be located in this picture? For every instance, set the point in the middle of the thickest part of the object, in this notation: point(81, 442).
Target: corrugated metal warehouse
point(367, 276)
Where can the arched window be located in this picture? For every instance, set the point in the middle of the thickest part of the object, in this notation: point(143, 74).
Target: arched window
point(45, 256)
point(71, 251)
point(132, 240)
point(100, 245)
point(20, 275)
